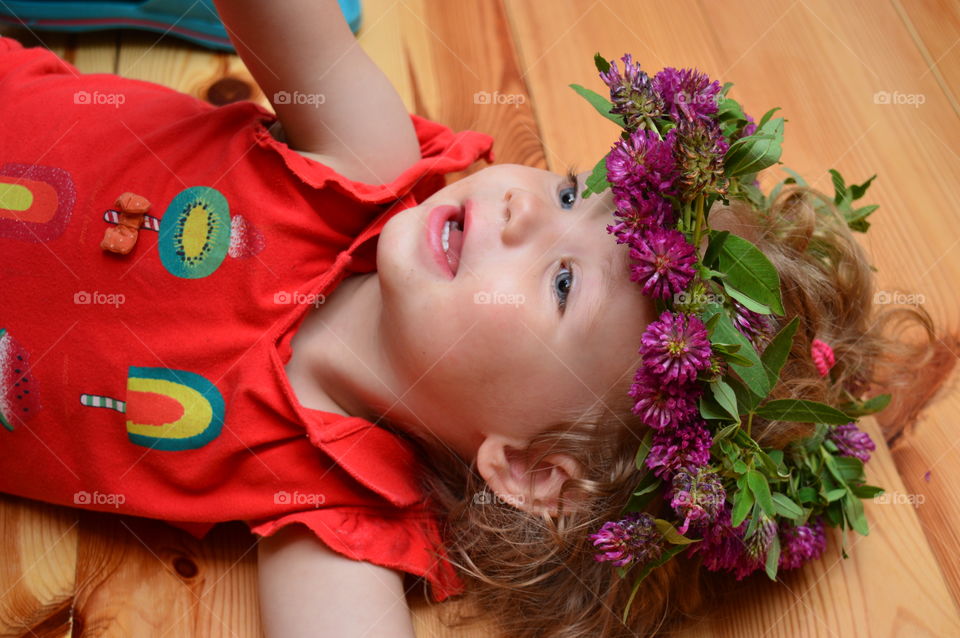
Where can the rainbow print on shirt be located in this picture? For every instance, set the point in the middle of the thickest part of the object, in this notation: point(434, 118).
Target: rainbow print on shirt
point(167, 409)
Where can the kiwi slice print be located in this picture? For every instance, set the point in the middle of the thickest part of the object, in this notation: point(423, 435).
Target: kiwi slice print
point(195, 232)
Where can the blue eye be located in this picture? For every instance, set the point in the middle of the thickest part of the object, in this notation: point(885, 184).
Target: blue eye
point(571, 189)
point(563, 291)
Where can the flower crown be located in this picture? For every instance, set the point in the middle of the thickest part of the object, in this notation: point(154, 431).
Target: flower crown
point(710, 360)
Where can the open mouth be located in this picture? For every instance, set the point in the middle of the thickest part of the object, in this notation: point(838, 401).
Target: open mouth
point(451, 239)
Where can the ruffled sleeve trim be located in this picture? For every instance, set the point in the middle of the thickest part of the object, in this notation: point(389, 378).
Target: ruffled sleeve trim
point(442, 151)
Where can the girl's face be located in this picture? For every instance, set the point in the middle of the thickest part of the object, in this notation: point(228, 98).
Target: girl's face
point(539, 320)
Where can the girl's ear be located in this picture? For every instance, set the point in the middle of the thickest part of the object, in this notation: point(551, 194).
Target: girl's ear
point(507, 468)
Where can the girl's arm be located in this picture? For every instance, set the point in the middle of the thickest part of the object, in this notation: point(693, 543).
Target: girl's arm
point(307, 589)
point(330, 98)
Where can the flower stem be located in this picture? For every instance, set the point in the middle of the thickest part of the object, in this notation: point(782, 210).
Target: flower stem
point(696, 233)
point(749, 423)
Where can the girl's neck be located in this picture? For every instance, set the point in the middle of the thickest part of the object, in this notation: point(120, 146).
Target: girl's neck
point(330, 349)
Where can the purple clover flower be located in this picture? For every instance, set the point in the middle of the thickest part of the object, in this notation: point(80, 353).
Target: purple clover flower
point(639, 215)
point(642, 166)
point(699, 154)
point(662, 406)
point(687, 94)
point(754, 326)
point(800, 543)
point(632, 538)
point(696, 496)
point(686, 446)
point(851, 441)
point(633, 97)
point(663, 263)
point(676, 347)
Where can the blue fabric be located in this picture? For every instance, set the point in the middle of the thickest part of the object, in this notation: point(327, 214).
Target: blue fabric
point(194, 21)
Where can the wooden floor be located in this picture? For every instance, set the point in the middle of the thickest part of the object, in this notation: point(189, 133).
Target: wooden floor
point(826, 63)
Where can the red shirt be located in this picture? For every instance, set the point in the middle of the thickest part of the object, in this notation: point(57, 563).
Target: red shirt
point(153, 383)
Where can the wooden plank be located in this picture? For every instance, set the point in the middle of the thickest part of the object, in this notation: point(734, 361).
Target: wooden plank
point(934, 26)
point(138, 577)
point(38, 546)
point(217, 77)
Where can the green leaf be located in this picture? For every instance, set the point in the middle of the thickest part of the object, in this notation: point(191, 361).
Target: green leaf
point(750, 272)
point(713, 248)
point(724, 332)
point(853, 509)
point(860, 191)
point(597, 181)
point(761, 489)
point(602, 65)
point(773, 468)
point(711, 410)
point(602, 104)
point(775, 354)
point(746, 400)
point(747, 301)
point(724, 395)
point(671, 535)
point(766, 118)
point(874, 404)
point(726, 432)
point(867, 491)
point(839, 186)
point(807, 494)
point(755, 152)
point(786, 506)
point(733, 357)
point(644, 449)
point(850, 467)
point(835, 494)
point(742, 502)
point(740, 467)
point(801, 410)
point(773, 558)
point(645, 493)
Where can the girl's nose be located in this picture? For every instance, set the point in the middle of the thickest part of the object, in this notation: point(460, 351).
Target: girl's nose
point(522, 212)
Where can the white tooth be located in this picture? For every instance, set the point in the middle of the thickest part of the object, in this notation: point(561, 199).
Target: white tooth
point(445, 239)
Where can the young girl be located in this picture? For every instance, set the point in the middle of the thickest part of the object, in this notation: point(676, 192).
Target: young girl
point(214, 314)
